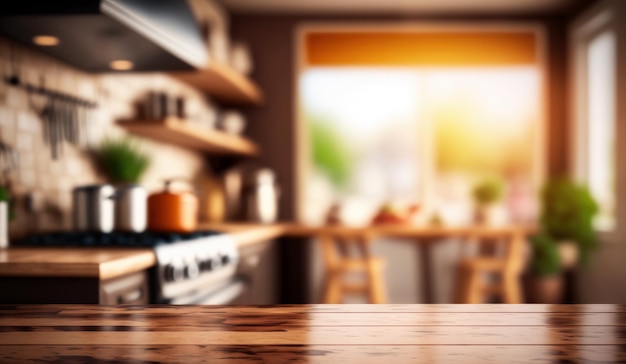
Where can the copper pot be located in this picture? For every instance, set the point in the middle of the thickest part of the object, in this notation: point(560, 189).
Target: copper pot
point(172, 211)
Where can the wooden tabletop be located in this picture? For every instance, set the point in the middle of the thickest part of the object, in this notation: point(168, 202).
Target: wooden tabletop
point(407, 231)
point(314, 333)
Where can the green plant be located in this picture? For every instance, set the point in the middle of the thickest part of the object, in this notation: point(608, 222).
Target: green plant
point(546, 260)
point(6, 196)
point(330, 154)
point(567, 214)
point(122, 160)
point(488, 191)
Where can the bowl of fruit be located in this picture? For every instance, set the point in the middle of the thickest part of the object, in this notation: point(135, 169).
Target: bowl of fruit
point(390, 214)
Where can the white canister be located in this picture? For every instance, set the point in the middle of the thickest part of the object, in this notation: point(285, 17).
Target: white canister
point(4, 224)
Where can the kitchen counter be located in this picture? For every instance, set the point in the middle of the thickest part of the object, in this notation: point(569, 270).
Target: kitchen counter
point(102, 263)
point(106, 263)
point(314, 333)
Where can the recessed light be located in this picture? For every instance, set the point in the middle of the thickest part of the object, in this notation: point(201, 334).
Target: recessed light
point(46, 40)
point(121, 65)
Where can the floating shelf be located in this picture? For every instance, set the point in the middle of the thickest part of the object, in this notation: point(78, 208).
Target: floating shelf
point(177, 131)
point(223, 83)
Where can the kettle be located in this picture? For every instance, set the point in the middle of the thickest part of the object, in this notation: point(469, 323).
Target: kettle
point(172, 211)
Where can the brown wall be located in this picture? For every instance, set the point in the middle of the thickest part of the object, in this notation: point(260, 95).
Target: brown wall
point(271, 39)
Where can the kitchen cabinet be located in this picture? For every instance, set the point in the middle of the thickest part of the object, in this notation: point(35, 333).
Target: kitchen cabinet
point(132, 288)
point(258, 265)
point(129, 289)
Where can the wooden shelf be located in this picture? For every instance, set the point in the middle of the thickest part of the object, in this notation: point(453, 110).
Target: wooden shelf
point(176, 131)
point(223, 83)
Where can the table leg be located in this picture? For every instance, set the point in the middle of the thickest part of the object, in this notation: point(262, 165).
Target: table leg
point(425, 259)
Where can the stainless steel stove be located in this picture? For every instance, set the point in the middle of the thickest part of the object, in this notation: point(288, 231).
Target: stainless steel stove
point(192, 268)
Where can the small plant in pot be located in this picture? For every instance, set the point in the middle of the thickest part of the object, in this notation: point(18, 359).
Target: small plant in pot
point(487, 193)
point(566, 239)
point(122, 160)
point(124, 163)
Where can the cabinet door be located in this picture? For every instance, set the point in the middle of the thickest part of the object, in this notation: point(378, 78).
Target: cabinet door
point(258, 265)
point(128, 289)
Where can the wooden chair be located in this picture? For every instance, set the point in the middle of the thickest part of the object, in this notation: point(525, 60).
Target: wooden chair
point(338, 250)
point(495, 272)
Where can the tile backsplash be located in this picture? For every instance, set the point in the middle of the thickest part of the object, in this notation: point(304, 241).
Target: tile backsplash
point(50, 181)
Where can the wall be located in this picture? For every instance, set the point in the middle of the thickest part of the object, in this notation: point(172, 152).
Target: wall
point(272, 41)
point(53, 180)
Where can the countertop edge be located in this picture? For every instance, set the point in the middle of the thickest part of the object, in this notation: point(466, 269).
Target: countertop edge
point(14, 264)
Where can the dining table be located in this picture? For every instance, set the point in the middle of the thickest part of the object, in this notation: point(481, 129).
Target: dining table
point(412, 333)
point(424, 238)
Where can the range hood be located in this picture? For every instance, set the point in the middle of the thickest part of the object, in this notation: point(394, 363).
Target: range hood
point(107, 35)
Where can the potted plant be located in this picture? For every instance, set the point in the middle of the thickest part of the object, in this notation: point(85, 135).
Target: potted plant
point(565, 239)
point(486, 195)
point(124, 162)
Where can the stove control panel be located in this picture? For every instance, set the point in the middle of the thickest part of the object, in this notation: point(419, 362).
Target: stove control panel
point(195, 265)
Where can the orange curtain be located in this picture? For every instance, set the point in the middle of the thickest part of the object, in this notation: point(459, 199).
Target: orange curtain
point(421, 48)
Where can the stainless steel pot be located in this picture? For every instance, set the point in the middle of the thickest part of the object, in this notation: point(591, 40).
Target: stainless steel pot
point(93, 208)
point(131, 208)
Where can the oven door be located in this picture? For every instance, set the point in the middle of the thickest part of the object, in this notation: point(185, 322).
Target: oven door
point(232, 293)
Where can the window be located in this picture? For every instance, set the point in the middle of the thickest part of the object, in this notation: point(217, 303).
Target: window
point(419, 128)
point(596, 131)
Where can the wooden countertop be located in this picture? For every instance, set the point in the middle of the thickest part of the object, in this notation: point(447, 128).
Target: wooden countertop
point(247, 234)
point(106, 263)
point(103, 263)
point(314, 333)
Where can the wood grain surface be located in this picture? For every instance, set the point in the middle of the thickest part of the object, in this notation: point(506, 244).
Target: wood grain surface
point(104, 263)
point(314, 334)
point(107, 263)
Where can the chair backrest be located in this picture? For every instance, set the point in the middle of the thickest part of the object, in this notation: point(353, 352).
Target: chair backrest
point(506, 244)
point(341, 245)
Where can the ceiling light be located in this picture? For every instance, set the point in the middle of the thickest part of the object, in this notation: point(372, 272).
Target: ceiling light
point(121, 65)
point(46, 40)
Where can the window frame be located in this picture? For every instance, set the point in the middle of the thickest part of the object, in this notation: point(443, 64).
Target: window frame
point(595, 22)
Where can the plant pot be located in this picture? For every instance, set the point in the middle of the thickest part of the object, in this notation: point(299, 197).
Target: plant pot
point(489, 215)
point(548, 289)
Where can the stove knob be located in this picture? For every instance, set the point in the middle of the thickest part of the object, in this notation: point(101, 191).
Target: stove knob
point(205, 265)
point(173, 273)
point(212, 264)
point(192, 271)
point(225, 259)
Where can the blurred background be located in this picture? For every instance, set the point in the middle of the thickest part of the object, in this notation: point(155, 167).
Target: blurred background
point(410, 151)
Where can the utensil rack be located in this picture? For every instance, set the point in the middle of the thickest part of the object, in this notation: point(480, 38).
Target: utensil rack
point(15, 81)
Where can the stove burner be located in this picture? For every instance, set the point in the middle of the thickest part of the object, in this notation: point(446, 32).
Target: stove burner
point(115, 239)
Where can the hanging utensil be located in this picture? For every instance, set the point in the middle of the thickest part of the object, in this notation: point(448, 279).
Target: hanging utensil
point(54, 130)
